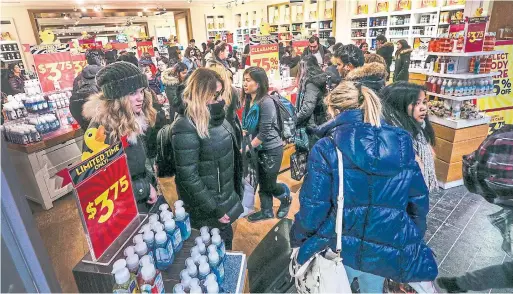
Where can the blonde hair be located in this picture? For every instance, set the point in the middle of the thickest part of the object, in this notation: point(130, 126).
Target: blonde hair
point(201, 88)
point(226, 76)
point(118, 118)
point(350, 95)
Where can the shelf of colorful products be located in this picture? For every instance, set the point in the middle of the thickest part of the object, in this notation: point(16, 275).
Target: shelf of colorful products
point(10, 51)
point(153, 254)
point(33, 116)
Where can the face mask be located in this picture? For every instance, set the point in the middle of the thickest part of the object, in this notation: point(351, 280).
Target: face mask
point(216, 108)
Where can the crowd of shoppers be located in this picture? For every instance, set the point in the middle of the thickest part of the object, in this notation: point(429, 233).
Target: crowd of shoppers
point(343, 104)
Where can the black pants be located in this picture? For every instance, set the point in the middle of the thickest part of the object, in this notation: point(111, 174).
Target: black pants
point(269, 163)
point(226, 234)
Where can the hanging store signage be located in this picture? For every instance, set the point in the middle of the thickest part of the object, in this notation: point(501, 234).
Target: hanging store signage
point(104, 195)
point(299, 46)
point(87, 44)
point(56, 70)
point(49, 48)
point(265, 53)
point(382, 6)
point(474, 36)
point(145, 47)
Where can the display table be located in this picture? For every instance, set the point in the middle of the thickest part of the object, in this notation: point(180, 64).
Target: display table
point(92, 278)
point(38, 163)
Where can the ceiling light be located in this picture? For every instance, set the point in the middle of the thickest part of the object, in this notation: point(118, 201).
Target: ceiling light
point(83, 9)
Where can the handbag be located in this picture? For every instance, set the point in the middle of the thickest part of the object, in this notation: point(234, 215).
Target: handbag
point(298, 162)
point(324, 272)
point(301, 140)
point(250, 176)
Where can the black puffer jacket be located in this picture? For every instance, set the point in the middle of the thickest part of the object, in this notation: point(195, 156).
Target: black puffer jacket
point(84, 86)
point(402, 65)
point(371, 75)
point(387, 51)
point(206, 176)
point(310, 108)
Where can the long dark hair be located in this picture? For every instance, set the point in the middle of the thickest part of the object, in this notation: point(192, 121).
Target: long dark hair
point(404, 46)
point(258, 75)
point(308, 68)
point(396, 99)
point(178, 68)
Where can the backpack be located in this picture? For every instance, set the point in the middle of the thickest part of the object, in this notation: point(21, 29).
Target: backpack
point(286, 116)
point(165, 160)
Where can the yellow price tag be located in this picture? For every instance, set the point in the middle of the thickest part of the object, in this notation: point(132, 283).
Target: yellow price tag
point(105, 202)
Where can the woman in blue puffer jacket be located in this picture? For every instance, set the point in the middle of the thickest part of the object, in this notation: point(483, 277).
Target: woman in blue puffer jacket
point(385, 197)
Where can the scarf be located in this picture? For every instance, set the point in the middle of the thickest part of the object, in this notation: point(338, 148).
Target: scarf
point(425, 153)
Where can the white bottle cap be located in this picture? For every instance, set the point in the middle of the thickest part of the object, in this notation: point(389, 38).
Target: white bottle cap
point(138, 239)
point(129, 250)
point(214, 257)
point(211, 277)
point(216, 240)
point(203, 259)
point(205, 237)
point(122, 276)
point(170, 225)
point(157, 227)
point(201, 248)
point(154, 218)
point(196, 257)
point(212, 287)
point(194, 282)
point(204, 230)
point(198, 240)
point(161, 237)
point(132, 260)
point(141, 248)
point(214, 231)
point(189, 261)
point(192, 270)
point(164, 207)
point(148, 236)
point(204, 268)
point(194, 250)
point(145, 227)
point(178, 288)
point(148, 272)
point(178, 203)
point(186, 279)
point(119, 264)
point(165, 215)
point(180, 213)
point(212, 248)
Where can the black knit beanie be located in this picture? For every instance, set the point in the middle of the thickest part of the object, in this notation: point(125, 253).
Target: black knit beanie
point(119, 79)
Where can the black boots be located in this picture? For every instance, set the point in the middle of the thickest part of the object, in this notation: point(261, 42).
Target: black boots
point(286, 200)
point(266, 203)
point(266, 211)
point(449, 284)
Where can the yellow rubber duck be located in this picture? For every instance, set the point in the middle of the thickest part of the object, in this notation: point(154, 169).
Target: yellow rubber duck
point(94, 138)
point(47, 36)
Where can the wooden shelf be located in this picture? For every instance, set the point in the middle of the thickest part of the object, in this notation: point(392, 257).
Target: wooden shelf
point(459, 123)
point(460, 98)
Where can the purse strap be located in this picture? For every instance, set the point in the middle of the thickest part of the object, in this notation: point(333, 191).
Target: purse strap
point(340, 199)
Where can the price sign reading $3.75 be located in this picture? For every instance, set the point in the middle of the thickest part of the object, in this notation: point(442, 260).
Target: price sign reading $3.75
point(59, 67)
point(106, 202)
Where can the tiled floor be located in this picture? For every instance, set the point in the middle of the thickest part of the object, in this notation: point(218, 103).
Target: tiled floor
point(461, 235)
point(459, 232)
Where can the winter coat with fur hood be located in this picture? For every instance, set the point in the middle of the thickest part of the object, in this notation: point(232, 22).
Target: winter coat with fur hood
point(136, 151)
point(402, 65)
point(371, 75)
point(387, 51)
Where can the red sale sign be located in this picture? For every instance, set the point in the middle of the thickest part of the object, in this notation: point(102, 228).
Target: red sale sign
point(474, 37)
point(86, 44)
point(104, 197)
point(55, 67)
point(145, 47)
point(264, 56)
point(299, 46)
point(79, 62)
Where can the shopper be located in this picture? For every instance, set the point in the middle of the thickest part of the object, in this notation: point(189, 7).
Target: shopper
point(373, 57)
point(189, 59)
point(129, 57)
point(385, 198)
point(111, 56)
point(85, 85)
point(246, 60)
point(331, 70)
point(209, 53)
point(351, 66)
point(16, 79)
point(315, 48)
point(192, 44)
point(260, 123)
point(312, 87)
point(385, 50)
point(402, 61)
point(162, 65)
point(174, 80)
point(153, 82)
point(291, 60)
point(405, 106)
point(365, 48)
point(174, 55)
point(203, 48)
point(121, 109)
point(221, 53)
point(204, 153)
point(6, 87)
point(331, 43)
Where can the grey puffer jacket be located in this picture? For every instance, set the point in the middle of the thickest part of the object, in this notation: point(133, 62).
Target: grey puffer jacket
point(310, 107)
point(207, 179)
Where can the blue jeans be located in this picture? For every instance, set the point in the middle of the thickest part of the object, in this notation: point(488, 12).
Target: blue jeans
point(369, 283)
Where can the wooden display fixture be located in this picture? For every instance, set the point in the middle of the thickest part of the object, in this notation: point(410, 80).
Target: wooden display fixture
point(451, 145)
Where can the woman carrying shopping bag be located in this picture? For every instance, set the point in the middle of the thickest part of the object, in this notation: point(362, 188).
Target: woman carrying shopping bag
point(384, 206)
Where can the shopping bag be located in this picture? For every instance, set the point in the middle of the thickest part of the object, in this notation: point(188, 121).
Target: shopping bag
point(250, 176)
point(298, 162)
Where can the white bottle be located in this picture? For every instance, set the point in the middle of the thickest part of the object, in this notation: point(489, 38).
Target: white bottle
point(198, 240)
point(166, 215)
point(164, 207)
point(118, 265)
point(192, 270)
point(449, 89)
point(204, 230)
point(129, 251)
point(212, 287)
point(214, 231)
point(444, 88)
point(141, 249)
point(138, 239)
point(185, 280)
point(149, 239)
point(132, 262)
point(459, 89)
point(206, 238)
point(153, 219)
point(202, 249)
point(157, 227)
point(146, 259)
point(204, 270)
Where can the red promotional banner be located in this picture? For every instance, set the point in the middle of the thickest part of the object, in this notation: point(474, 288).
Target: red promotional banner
point(474, 38)
point(90, 44)
point(264, 56)
point(299, 46)
point(105, 197)
point(117, 46)
point(145, 47)
point(55, 67)
point(79, 62)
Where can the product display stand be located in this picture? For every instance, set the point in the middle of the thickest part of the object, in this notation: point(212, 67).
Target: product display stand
point(97, 278)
